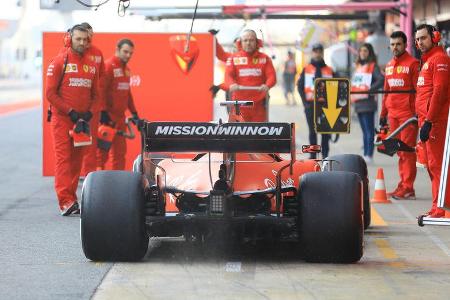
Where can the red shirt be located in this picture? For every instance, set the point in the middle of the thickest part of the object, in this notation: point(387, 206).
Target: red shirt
point(432, 100)
point(117, 88)
point(248, 69)
point(221, 53)
point(401, 75)
point(96, 56)
point(78, 88)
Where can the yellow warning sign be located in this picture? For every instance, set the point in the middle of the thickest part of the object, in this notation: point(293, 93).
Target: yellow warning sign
point(332, 105)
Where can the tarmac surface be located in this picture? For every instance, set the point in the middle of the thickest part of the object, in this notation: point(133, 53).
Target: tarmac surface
point(41, 255)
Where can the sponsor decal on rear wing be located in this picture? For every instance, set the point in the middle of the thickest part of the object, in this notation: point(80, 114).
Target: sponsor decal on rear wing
point(211, 137)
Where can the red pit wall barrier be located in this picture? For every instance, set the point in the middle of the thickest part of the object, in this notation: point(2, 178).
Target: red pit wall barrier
point(161, 91)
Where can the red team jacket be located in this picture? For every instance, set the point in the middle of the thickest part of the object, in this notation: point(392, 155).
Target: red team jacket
point(117, 89)
point(221, 54)
point(96, 56)
point(249, 70)
point(432, 100)
point(401, 75)
point(75, 91)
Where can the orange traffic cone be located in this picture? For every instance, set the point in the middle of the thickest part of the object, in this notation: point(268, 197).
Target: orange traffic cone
point(379, 195)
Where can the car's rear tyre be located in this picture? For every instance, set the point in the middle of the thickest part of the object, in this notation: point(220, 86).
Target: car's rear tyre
point(355, 163)
point(330, 219)
point(112, 217)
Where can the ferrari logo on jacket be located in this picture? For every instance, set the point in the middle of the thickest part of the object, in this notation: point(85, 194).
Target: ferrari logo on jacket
point(260, 60)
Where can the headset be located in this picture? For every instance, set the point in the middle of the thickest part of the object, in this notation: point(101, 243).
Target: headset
point(67, 39)
point(434, 33)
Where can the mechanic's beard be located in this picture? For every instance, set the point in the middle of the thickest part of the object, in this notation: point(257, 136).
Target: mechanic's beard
point(250, 51)
point(398, 53)
point(80, 50)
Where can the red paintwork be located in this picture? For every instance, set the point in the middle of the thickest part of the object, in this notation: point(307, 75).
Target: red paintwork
point(253, 172)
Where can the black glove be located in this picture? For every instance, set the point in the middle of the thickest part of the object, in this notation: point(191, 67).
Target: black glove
point(383, 121)
point(213, 31)
point(135, 118)
point(104, 117)
point(87, 116)
point(425, 131)
point(74, 115)
point(214, 89)
point(86, 128)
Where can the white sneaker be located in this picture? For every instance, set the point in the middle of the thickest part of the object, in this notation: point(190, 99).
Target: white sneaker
point(368, 159)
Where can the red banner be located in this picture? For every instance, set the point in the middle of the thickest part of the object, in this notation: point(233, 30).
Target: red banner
point(162, 90)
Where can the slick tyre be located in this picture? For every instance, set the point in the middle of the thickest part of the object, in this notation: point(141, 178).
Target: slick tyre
point(112, 217)
point(330, 220)
point(355, 163)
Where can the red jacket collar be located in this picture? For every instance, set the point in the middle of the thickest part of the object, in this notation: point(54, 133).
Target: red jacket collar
point(117, 61)
point(432, 52)
point(401, 57)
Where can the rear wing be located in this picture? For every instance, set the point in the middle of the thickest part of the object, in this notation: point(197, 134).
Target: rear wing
point(212, 137)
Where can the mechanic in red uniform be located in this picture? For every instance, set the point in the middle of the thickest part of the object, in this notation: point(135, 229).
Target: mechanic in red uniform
point(96, 56)
point(432, 104)
point(401, 74)
point(249, 67)
point(222, 55)
point(71, 93)
point(118, 99)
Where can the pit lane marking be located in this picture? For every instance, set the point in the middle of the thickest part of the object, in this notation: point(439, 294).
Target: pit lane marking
point(377, 220)
point(8, 109)
point(383, 244)
point(389, 253)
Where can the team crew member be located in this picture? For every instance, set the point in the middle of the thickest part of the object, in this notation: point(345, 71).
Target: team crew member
point(222, 55)
point(366, 78)
point(71, 88)
point(432, 104)
point(96, 56)
point(289, 72)
point(118, 99)
point(305, 85)
point(249, 67)
point(401, 74)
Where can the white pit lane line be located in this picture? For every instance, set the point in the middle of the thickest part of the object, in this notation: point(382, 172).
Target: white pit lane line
point(432, 237)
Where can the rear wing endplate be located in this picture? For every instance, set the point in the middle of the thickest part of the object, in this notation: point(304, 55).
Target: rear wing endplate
point(213, 137)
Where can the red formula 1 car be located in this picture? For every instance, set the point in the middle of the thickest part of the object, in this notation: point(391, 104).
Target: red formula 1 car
point(236, 184)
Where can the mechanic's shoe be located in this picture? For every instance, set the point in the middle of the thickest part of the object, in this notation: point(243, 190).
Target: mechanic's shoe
point(437, 213)
point(431, 211)
point(404, 194)
point(71, 209)
point(390, 194)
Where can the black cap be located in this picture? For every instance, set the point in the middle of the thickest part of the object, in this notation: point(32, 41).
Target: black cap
point(317, 46)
